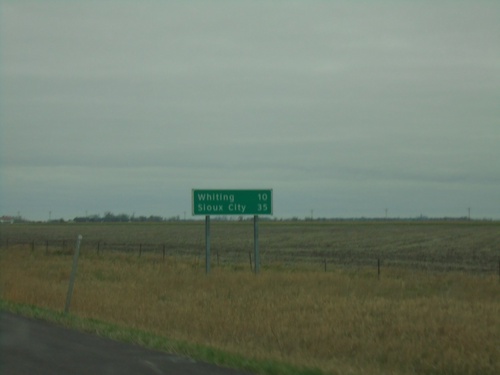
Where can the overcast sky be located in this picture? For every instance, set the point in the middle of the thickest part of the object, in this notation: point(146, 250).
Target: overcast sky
point(346, 108)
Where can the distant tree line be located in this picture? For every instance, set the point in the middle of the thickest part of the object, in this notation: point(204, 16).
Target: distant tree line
point(110, 217)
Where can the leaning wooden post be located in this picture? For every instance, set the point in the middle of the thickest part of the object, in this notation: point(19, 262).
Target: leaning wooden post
point(73, 274)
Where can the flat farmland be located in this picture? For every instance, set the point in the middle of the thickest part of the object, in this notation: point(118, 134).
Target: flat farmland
point(472, 246)
point(434, 310)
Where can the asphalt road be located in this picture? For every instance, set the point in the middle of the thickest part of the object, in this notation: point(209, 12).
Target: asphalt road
point(29, 346)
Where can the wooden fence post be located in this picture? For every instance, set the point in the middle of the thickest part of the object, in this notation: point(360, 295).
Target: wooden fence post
point(378, 268)
point(73, 274)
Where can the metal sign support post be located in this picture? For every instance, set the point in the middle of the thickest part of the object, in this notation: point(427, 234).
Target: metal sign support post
point(207, 243)
point(256, 243)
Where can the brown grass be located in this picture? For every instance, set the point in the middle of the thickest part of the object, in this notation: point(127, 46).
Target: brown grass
point(344, 321)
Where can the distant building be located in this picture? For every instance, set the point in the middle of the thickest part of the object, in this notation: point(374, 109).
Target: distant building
point(6, 219)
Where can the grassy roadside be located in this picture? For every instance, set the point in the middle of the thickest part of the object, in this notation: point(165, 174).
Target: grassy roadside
point(155, 342)
point(285, 321)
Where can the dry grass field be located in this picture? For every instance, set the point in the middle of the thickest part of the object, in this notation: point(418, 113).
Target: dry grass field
point(415, 319)
point(461, 246)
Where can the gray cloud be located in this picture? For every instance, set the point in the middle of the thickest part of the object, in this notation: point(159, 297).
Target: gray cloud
point(366, 105)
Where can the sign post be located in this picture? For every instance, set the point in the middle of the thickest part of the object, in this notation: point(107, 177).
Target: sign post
point(256, 244)
point(207, 244)
point(232, 202)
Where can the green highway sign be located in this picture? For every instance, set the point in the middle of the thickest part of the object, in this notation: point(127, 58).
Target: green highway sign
point(232, 202)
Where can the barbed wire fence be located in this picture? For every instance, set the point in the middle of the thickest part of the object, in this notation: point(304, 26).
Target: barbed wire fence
point(239, 256)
